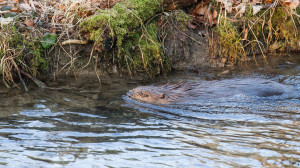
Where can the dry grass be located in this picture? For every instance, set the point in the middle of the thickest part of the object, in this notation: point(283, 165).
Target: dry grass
point(274, 28)
point(20, 51)
point(20, 43)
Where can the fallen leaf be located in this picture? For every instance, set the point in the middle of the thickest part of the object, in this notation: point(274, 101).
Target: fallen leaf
point(215, 21)
point(172, 7)
point(237, 1)
point(29, 23)
point(254, 2)
point(228, 5)
point(97, 48)
point(190, 25)
point(32, 4)
point(256, 9)
point(5, 21)
point(200, 18)
point(241, 8)
point(63, 21)
point(87, 36)
point(53, 30)
point(201, 10)
point(294, 4)
point(159, 22)
point(24, 6)
point(268, 1)
point(15, 10)
point(215, 14)
point(245, 33)
point(291, 4)
point(210, 18)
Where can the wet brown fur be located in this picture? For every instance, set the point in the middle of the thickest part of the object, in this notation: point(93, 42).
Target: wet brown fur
point(182, 92)
point(164, 94)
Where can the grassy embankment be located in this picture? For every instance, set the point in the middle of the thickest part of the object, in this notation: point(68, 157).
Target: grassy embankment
point(274, 29)
point(27, 35)
point(129, 31)
point(124, 27)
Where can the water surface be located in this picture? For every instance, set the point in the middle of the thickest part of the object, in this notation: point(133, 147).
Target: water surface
point(104, 128)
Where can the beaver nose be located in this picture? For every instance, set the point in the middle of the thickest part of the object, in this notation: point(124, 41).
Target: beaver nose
point(129, 93)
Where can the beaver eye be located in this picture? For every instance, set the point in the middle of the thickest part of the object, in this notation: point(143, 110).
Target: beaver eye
point(143, 94)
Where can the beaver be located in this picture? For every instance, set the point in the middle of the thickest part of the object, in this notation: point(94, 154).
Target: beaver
point(189, 91)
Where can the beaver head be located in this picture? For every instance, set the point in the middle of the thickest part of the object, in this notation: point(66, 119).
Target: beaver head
point(149, 94)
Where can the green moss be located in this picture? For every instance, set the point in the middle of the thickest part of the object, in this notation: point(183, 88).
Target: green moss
point(126, 20)
point(120, 21)
point(38, 62)
point(214, 3)
point(278, 27)
point(229, 41)
point(250, 11)
point(269, 30)
point(144, 52)
point(181, 18)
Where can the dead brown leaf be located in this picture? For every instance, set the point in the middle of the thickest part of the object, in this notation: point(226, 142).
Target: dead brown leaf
point(201, 10)
point(191, 26)
point(25, 6)
point(53, 30)
point(14, 9)
point(215, 14)
point(172, 7)
point(159, 22)
point(200, 18)
point(29, 23)
point(210, 18)
point(245, 33)
point(254, 2)
point(291, 4)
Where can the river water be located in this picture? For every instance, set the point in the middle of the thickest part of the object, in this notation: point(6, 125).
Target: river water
point(92, 127)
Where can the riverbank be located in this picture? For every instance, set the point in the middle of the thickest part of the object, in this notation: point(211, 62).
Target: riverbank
point(48, 40)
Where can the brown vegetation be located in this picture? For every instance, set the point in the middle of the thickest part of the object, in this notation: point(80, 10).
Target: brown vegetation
point(131, 34)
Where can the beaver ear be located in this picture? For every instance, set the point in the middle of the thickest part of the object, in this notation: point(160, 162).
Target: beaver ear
point(162, 96)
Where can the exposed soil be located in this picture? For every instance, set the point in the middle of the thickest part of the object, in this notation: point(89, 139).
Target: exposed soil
point(189, 48)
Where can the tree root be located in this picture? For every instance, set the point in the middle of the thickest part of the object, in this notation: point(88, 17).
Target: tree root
point(34, 80)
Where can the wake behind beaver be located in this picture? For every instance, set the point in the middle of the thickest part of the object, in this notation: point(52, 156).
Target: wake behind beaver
point(201, 90)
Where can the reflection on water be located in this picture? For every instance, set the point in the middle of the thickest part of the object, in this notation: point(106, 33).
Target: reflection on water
point(58, 129)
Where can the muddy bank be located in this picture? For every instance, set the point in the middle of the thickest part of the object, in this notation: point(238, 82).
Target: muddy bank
point(175, 40)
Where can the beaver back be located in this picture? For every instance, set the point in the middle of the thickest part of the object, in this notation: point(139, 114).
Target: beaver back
point(182, 92)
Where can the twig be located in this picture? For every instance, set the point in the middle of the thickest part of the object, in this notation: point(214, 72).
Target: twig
point(19, 74)
point(91, 56)
point(35, 81)
point(5, 83)
point(71, 41)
